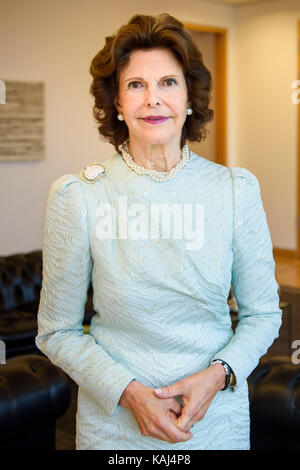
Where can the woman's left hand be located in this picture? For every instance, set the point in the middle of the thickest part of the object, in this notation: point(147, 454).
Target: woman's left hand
point(197, 391)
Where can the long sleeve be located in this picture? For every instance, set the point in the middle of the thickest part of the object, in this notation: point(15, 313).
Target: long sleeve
point(253, 279)
point(67, 267)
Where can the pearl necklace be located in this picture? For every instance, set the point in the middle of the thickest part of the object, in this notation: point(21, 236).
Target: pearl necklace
point(155, 174)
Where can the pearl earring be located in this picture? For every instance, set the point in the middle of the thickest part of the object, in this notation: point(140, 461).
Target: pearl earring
point(120, 117)
point(189, 111)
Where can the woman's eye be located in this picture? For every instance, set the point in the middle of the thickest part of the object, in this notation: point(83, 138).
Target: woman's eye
point(170, 80)
point(133, 83)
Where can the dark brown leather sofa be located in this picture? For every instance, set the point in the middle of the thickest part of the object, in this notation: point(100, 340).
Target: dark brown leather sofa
point(34, 393)
point(20, 285)
point(274, 395)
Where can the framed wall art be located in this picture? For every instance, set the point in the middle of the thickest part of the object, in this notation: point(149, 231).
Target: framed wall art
point(21, 121)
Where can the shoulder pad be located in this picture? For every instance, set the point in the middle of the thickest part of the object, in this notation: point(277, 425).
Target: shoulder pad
point(92, 172)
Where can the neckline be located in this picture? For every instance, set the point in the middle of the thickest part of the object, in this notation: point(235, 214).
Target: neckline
point(159, 176)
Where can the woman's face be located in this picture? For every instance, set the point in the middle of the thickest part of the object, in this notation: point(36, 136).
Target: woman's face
point(153, 83)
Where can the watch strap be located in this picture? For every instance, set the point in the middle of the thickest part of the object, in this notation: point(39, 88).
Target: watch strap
point(229, 377)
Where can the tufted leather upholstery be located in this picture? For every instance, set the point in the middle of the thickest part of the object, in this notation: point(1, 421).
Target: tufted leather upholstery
point(20, 285)
point(274, 393)
point(33, 394)
point(20, 281)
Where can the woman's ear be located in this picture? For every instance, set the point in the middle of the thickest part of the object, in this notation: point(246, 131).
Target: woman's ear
point(117, 104)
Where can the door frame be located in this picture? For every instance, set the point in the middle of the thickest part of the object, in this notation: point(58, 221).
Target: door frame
point(298, 156)
point(281, 252)
point(220, 87)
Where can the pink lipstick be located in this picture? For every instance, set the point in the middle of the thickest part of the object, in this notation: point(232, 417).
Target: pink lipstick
point(155, 119)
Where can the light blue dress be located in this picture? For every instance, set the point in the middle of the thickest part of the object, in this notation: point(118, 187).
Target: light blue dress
point(162, 311)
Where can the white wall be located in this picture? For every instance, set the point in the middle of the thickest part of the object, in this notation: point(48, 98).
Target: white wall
point(56, 41)
point(266, 118)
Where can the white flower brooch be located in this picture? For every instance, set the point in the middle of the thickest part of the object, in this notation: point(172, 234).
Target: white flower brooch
point(93, 172)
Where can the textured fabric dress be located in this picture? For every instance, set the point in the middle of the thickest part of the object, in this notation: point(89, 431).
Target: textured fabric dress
point(161, 303)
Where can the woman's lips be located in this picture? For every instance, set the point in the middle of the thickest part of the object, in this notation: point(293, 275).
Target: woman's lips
point(155, 121)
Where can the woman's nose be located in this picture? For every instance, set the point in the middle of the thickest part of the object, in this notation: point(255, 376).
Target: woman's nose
point(152, 96)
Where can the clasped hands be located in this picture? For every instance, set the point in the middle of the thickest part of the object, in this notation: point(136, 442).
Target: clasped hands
point(159, 415)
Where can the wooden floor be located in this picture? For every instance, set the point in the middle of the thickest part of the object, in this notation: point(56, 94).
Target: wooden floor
point(287, 271)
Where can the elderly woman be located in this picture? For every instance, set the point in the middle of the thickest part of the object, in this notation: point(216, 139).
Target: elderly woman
point(160, 367)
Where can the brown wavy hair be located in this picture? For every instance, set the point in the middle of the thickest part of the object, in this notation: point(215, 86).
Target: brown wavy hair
point(149, 32)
